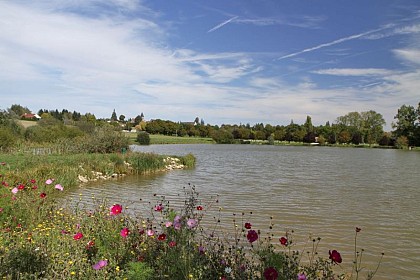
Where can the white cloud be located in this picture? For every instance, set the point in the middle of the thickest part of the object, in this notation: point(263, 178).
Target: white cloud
point(410, 55)
point(354, 72)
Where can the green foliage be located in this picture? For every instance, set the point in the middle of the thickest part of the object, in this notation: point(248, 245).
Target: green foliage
point(7, 138)
point(145, 162)
point(23, 261)
point(222, 136)
point(143, 138)
point(139, 271)
point(408, 124)
point(188, 160)
point(50, 130)
point(402, 142)
point(17, 110)
point(105, 140)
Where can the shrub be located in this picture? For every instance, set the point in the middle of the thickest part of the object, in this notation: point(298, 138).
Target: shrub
point(143, 138)
point(222, 136)
point(51, 132)
point(7, 138)
point(402, 142)
point(105, 140)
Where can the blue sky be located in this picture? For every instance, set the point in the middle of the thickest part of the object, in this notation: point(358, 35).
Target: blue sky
point(231, 62)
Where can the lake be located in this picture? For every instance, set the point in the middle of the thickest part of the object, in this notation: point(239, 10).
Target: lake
point(315, 191)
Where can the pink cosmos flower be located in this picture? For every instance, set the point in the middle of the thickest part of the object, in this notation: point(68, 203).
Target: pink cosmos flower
point(59, 187)
point(78, 236)
point(192, 223)
point(150, 232)
point(124, 232)
point(252, 236)
point(177, 222)
point(115, 210)
point(168, 224)
point(15, 190)
point(301, 276)
point(99, 265)
point(49, 181)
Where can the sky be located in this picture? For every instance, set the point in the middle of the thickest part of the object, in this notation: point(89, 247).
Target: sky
point(226, 62)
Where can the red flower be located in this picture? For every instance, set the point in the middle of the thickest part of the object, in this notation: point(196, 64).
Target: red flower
point(159, 208)
point(172, 244)
point(33, 181)
point(115, 209)
point(78, 236)
point(199, 208)
point(283, 241)
point(335, 256)
point(248, 225)
point(270, 273)
point(43, 195)
point(34, 187)
point(90, 244)
point(21, 187)
point(162, 237)
point(252, 236)
point(124, 232)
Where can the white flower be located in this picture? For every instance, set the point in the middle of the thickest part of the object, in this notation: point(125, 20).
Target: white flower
point(228, 270)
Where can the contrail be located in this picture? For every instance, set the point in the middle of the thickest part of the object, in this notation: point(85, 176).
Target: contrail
point(356, 36)
point(222, 24)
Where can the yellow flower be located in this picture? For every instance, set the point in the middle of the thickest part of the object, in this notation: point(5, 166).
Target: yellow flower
point(72, 273)
point(117, 268)
point(70, 262)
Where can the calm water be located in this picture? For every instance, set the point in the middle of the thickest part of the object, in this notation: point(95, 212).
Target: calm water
point(316, 191)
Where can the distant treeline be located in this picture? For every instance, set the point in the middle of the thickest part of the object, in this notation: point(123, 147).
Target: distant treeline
point(352, 128)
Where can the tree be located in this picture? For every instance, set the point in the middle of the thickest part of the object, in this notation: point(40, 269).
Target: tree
point(372, 126)
point(405, 124)
point(138, 119)
point(114, 116)
point(17, 110)
point(122, 118)
point(222, 136)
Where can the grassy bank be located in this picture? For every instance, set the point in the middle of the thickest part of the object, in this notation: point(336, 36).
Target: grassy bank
point(165, 139)
point(66, 168)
